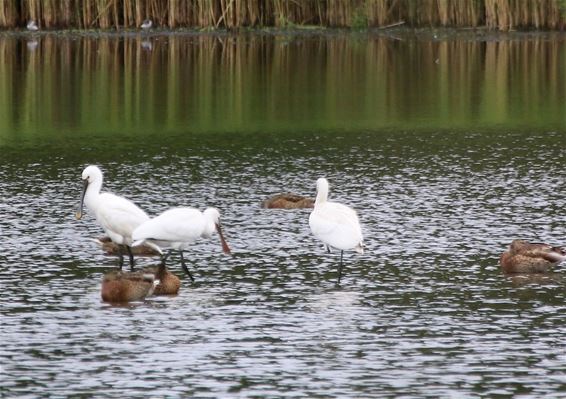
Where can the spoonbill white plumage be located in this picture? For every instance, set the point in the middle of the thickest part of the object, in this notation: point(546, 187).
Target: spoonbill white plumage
point(177, 229)
point(117, 215)
point(335, 224)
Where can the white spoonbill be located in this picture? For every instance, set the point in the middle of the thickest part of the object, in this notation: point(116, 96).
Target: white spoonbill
point(117, 215)
point(335, 224)
point(177, 229)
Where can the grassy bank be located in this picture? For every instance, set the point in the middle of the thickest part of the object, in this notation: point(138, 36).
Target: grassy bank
point(119, 14)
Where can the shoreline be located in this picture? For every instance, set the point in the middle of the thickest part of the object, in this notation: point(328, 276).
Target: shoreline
point(396, 33)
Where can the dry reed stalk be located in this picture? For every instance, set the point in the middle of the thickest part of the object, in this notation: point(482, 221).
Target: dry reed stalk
point(8, 13)
point(127, 13)
point(443, 12)
point(378, 12)
point(173, 13)
point(495, 14)
point(226, 13)
point(138, 12)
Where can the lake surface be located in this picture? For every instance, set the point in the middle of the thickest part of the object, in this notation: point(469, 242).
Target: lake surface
point(448, 147)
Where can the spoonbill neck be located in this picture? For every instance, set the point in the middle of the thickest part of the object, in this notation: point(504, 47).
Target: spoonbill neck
point(92, 193)
point(211, 218)
point(321, 191)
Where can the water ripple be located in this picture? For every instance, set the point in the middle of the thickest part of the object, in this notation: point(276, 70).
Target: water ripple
point(424, 312)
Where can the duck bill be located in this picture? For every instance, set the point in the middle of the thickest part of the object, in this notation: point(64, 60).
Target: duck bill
point(79, 213)
point(225, 247)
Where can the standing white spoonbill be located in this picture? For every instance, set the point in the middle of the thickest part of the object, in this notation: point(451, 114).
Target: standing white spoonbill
point(117, 215)
point(177, 229)
point(335, 224)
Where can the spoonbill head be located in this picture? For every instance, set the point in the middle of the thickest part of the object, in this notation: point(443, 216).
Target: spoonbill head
point(177, 229)
point(525, 257)
point(116, 215)
point(335, 224)
point(212, 224)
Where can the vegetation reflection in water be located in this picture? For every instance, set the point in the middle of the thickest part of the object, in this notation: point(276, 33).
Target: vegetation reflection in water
point(131, 85)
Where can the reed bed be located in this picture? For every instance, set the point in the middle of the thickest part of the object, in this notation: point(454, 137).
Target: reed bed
point(231, 14)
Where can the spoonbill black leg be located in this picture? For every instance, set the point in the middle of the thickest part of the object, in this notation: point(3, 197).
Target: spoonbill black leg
point(340, 267)
point(131, 255)
point(185, 268)
point(164, 258)
point(120, 257)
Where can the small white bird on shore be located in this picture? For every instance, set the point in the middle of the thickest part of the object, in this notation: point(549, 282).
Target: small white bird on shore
point(146, 24)
point(32, 26)
point(335, 224)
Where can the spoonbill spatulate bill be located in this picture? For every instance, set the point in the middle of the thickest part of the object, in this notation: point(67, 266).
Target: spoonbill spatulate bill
point(118, 216)
point(335, 224)
point(177, 229)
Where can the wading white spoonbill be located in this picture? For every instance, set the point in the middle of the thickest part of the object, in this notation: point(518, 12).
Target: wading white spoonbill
point(335, 224)
point(117, 215)
point(177, 229)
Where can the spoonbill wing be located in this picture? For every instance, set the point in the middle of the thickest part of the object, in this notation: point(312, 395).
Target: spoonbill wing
point(331, 216)
point(174, 225)
point(119, 215)
point(336, 225)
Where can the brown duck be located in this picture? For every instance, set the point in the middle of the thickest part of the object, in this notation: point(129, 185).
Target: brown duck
point(525, 257)
point(288, 201)
point(119, 286)
point(111, 248)
point(168, 284)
